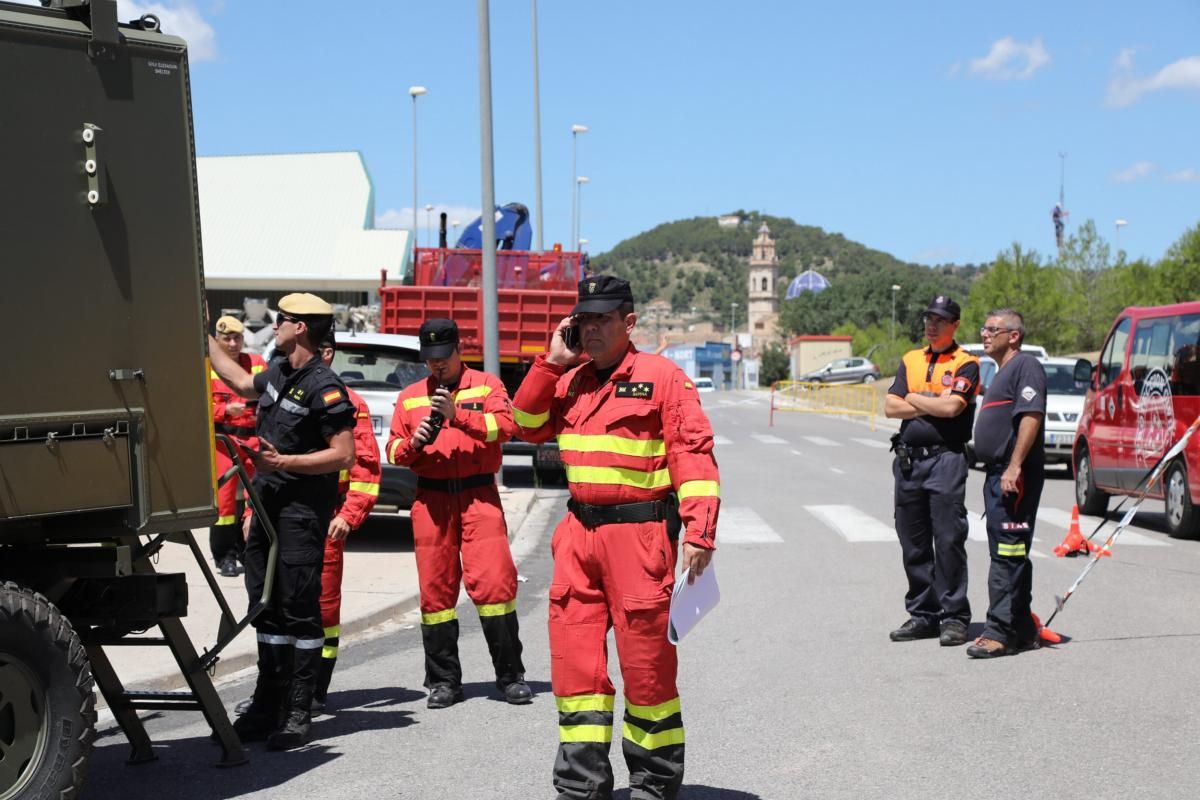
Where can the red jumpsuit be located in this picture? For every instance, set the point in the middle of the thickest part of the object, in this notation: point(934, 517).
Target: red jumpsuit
point(638, 437)
point(358, 490)
point(458, 523)
point(226, 537)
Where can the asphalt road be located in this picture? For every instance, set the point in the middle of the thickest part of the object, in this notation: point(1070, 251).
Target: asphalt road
point(791, 687)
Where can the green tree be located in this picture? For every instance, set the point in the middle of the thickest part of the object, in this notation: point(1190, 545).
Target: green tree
point(775, 364)
point(1087, 257)
point(1179, 278)
point(1018, 280)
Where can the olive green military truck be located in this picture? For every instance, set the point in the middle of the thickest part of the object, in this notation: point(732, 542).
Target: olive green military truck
point(106, 445)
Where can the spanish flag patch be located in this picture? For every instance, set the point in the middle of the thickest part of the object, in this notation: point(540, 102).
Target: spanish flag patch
point(332, 396)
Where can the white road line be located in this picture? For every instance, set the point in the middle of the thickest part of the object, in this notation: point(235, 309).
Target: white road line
point(853, 525)
point(767, 438)
point(797, 453)
point(838, 471)
point(1062, 519)
point(740, 525)
point(722, 440)
point(823, 442)
point(871, 443)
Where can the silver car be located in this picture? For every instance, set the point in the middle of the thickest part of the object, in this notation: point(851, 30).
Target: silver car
point(844, 370)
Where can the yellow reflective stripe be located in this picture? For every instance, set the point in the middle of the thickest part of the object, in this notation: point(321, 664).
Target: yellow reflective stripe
point(392, 450)
point(329, 652)
point(1017, 549)
point(333, 631)
point(699, 489)
point(585, 702)
point(585, 733)
point(653, 713)
point(363, 487)
point(416, 402)
point(213, 374)
point(653, 741)
point(492, 429)
point(497, 609)
point(439, 616)
point(621, 445)
point(527, 420)
point(620, 476)
point(343, 476)
point(227, 519)
point(473, 392)
point(256, 368)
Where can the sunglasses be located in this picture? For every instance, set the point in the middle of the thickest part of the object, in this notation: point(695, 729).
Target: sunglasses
point(281, 318)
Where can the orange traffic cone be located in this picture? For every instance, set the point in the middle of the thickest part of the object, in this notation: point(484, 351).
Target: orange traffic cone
point(1074, 544)
point(1044, 633)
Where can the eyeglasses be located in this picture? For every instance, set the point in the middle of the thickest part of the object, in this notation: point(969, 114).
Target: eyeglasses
point(281, 318)
point(990, 330)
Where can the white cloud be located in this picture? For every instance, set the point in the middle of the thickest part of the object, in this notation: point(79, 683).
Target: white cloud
point(1134, 172)
point(179, 18)
point(402, 218)
point(1125, 88)
point(1189, 175)
point(1011, 60)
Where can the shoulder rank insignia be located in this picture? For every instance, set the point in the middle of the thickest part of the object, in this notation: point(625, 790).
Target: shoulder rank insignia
point(642, 390)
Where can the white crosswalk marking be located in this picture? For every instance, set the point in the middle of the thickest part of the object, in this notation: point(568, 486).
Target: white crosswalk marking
point(721, 440)
point(1062, 519)
point(822, 441)
point(740, 525)
point(871, 443)
point(797, 453)
point(852, 524)
point(838, 471)
point(767, 438)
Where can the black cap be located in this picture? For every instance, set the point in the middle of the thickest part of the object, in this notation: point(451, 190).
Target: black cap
point(439, 338)
point(944, 307)
point(601, 294)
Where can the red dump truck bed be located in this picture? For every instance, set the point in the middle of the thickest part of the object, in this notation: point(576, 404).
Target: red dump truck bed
point(536, 290)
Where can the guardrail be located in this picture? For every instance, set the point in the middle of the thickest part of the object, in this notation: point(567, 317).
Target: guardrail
point(845, 399)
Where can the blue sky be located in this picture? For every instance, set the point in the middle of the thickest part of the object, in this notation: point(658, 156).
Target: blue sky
point(930, 130)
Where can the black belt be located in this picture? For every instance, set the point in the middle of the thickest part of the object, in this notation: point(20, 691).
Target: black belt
point(233, 430)
point(453, 485)
point(595, 516)
point(931, 451)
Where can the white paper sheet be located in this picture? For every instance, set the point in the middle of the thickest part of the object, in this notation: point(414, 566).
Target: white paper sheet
point(689, 604)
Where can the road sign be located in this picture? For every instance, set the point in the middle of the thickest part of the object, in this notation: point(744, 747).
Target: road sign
point(736, 356)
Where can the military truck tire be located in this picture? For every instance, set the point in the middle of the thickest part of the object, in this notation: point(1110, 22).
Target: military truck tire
point(47, 703)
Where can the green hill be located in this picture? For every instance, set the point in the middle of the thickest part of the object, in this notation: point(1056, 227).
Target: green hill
point(695, 263)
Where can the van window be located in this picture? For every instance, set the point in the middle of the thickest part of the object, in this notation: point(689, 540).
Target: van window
point(1113, 356)
point(1168, 344)
point(1184, 366)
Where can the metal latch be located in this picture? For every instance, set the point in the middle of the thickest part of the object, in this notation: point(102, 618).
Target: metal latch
point(127, 375)
point(93, 168)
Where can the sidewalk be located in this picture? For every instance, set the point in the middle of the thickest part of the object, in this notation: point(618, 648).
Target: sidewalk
point(379, 584)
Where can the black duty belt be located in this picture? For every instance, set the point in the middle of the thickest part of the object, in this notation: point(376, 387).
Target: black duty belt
point(931, 450)
point(453, 485)
point(233, 430)
point(595, 516)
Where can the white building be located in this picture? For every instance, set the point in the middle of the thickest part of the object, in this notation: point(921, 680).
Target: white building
point(273, 224)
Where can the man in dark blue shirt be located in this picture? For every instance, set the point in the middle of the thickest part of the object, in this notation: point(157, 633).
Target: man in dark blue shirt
point(1009, 439)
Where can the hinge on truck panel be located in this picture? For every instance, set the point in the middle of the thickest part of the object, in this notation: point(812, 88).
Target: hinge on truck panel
point(101, 17)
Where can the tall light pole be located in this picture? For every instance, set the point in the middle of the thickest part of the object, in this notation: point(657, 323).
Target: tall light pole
point(415, 92)
point(733, 338)
point(537, 137)
point(579, 182)
point(575, 131)
point(429, 217)
point(1121, 223)
point(895, 288)
point(582, 244)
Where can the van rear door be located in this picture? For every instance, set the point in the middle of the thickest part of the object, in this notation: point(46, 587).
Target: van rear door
point(1106, 445)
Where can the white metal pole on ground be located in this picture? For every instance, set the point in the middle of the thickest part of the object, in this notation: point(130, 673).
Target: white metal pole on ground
point(415, 92)
point(491, 317)
point(537, 138)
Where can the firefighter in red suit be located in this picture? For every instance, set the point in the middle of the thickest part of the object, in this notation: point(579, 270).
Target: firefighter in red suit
point(358, 491)
point(638, 455)
point(234, 417)
point(449, 429)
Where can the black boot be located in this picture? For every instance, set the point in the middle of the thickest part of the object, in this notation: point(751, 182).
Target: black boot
point(263, 715)
point(504, 643)
point(442, 667)
point(324, 676)
point(295, 730)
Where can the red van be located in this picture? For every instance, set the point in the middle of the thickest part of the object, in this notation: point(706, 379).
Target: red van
point(1144, 393)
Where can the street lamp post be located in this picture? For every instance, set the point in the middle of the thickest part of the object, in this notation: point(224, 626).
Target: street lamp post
point(1121, 223)
point(415, 92)
point(429, 217)
point(579, 182)
point(575, 131)
point(537, 137)
point(733, 339)
point(895, 288)
point(582, 243)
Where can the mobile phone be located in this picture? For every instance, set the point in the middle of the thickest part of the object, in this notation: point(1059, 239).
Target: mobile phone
point(571, 337)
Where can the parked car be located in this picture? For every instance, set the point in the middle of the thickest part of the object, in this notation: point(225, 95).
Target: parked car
point(705, 385)
point(844, 370)
point(1142, 395)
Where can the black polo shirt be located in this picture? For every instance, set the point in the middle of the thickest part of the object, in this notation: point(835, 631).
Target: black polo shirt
point(299, 409)
point(1018, 388)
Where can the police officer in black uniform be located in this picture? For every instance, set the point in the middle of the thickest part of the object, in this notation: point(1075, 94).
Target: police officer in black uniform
point(1010, 441)
point(305, 428)
point(934, 394)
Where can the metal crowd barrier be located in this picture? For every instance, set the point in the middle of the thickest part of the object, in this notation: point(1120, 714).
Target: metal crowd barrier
point(848, 399)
